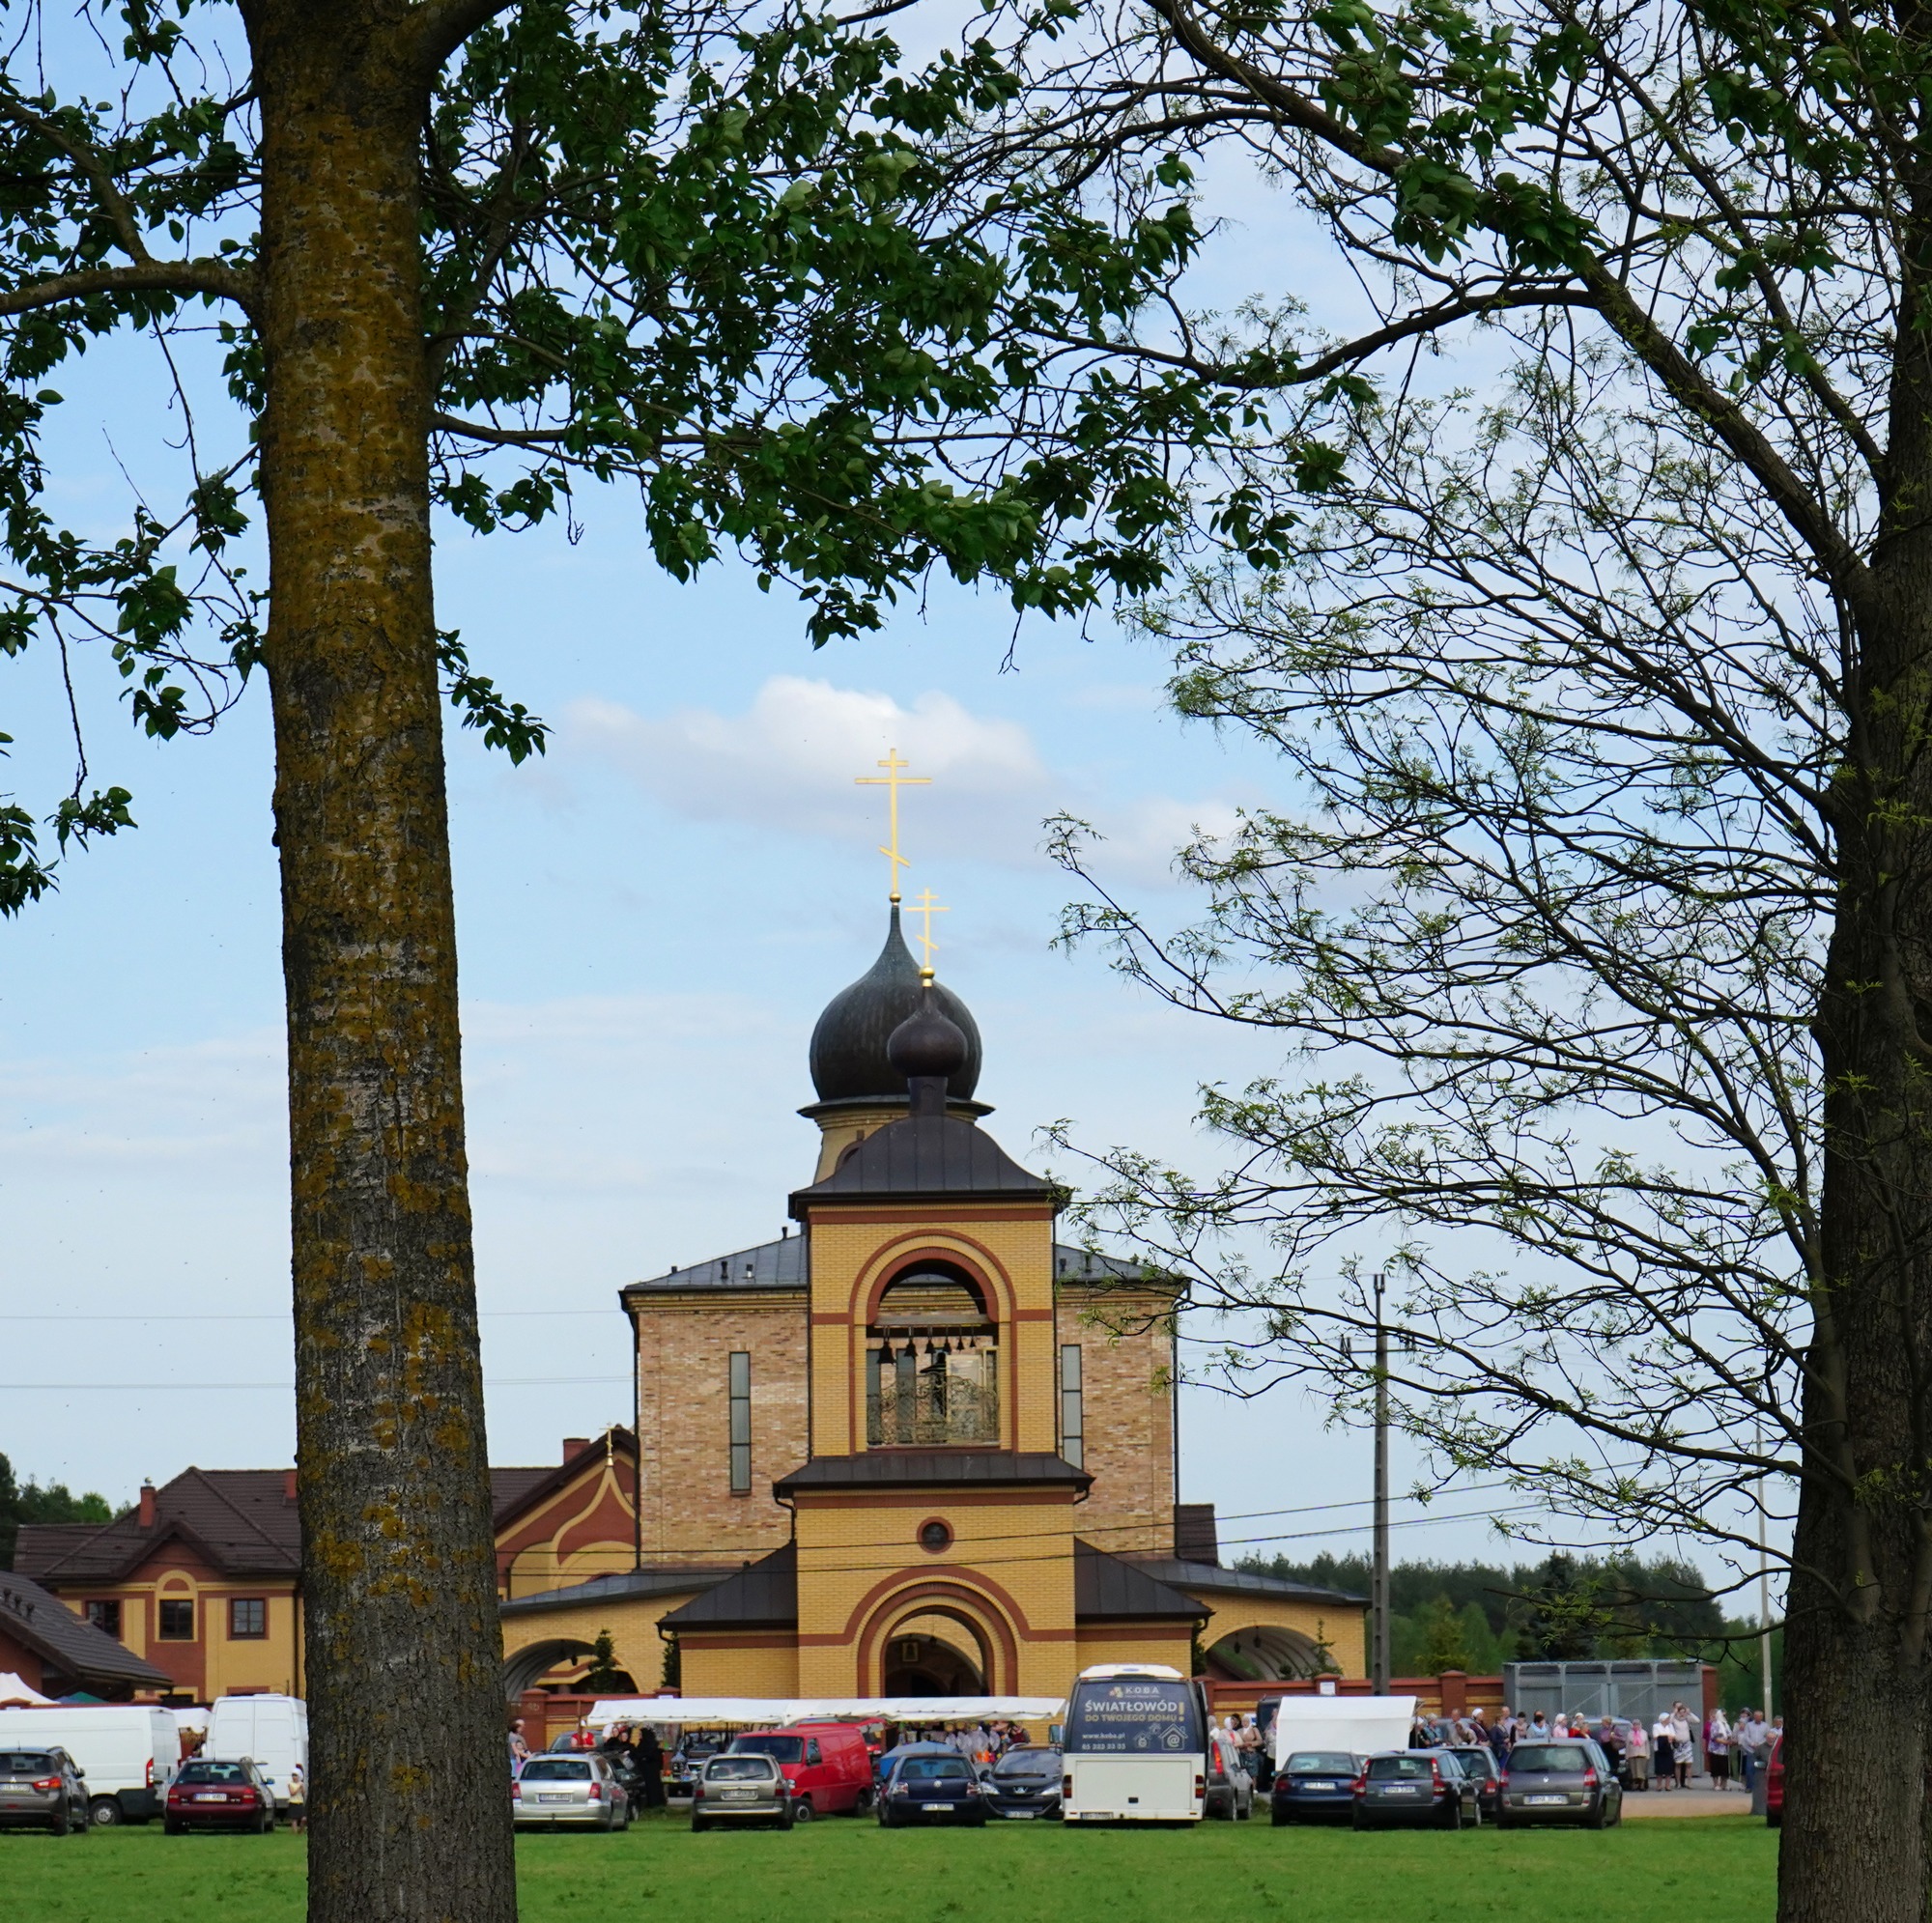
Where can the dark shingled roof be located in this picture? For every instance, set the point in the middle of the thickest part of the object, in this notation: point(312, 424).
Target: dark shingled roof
point(46, 1625)
point(781, 1265)
point(1216, 1580)
point(626, 1585)
point(242, 1521)
point(762, 1596)
point(925, 1155)
point(1108, 1588)
point(848, 1044)
point(936, 1468)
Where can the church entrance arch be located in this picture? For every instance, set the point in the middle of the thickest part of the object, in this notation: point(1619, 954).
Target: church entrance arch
point(940, 1639)
point(524, 1668)
point(1266, 1653)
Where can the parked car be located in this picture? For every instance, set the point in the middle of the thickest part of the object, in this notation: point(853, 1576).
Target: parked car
point(695, 1749)
point(932, 1789)
point(581, 1790)
point(1560, 1782)
point(1314, 1786)
point(41, 1788)
point(741, 1789)
point(272, 1731)
point(1023, 1784)
point(827, 1765)
point(887, 1760)
point(1773, 1784)
point(1415, 1786)
point(1482, 1765)
point(124, 1751)
point(226, 1795)
point(1230, 1789)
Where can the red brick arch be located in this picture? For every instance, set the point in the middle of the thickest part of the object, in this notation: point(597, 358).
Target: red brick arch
point(910, 1251)
point(973, 1608)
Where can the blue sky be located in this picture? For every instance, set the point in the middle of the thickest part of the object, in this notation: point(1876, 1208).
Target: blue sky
point(650, 919)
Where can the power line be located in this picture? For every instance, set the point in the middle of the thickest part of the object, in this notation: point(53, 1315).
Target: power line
point(288, 1388)
point(143, 1315)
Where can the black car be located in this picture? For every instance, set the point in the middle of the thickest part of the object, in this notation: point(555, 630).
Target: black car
point(41, 1788)
point(1560, 1782)
point(1314, 1786)
point(1482, 1765)
point(932, 1789)
point(1424, 1786)
point(1023, 1784)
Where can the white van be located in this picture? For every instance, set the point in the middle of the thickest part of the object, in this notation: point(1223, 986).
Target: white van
point(126, 1752)
point(272, 1730)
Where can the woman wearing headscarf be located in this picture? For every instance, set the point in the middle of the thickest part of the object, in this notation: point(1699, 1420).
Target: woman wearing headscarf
point(1664, 1770)
point(1683, 1744)
point(1637, 1754)
point(1718, 1748)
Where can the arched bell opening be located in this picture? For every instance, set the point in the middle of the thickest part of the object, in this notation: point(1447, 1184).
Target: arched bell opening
point(1265, 1652)
point(932, 1362)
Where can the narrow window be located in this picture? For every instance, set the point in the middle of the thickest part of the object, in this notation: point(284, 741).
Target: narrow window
point(741, 1422)
point(1071, 1419)
point(177, 1621)
point(248, 1618)
point(105, 1615)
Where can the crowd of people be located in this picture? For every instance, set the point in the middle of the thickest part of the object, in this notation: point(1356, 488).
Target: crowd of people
point(1664, 1754)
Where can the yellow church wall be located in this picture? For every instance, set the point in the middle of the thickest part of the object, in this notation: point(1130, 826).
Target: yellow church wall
point(1007, 1573)
point(738, 1665)
point(855, 1250)
point(632, 1623)
point(1341, 1626)
point(1167, 1643)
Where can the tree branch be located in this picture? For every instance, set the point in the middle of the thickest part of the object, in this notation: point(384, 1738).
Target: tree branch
point(212, 278)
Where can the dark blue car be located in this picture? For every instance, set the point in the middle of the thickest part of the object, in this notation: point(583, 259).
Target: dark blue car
point(932, 1789)
point(1315, 1786)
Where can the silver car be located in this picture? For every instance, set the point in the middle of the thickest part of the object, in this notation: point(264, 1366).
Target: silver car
point(578, 1790)
point(43, 1788)
point(741, 1789)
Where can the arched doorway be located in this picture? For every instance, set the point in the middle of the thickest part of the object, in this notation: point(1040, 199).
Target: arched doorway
point(524, 1668)
point(1266, 1654)
point(930, 1654)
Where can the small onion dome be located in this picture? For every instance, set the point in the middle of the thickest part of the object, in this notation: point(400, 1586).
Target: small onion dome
point(928, 1043)
point(849, 1060)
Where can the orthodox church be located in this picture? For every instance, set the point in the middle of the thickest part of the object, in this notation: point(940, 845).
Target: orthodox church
point(915, 1446)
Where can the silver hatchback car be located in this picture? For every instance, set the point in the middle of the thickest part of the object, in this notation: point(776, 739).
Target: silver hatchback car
point(583, 1790)
point(741, 1789)
point(43, 1787)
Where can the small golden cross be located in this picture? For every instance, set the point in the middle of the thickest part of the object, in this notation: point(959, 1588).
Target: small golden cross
point(926, 908)
point(892, 780)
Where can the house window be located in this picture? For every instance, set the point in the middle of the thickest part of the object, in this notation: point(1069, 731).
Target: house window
point(177, 1621)
point(104, 1613)
point(1071, 1421)
point(741, 1422)
point(248, 1618)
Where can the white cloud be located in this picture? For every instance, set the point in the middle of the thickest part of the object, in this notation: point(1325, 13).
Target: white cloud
point(788, 763)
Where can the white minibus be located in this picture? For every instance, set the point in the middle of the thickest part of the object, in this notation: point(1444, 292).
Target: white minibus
point(1135, 1745)
point(272, 1731)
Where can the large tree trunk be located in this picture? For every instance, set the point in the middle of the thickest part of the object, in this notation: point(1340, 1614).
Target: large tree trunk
point(409, 1811)
point(1857, 1683)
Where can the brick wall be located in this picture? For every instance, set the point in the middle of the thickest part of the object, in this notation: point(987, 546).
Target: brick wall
point(1126, 1354)
point(684, 1347)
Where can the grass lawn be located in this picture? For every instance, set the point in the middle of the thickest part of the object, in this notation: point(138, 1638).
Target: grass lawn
point(853, 1872)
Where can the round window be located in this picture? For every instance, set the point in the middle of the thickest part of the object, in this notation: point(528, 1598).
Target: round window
point(935, 1536)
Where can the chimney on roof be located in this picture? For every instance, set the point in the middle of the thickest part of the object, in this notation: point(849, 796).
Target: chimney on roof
point(575, 1445)
point(1196, 1538)
point(147, 1505)
point(287, 1486)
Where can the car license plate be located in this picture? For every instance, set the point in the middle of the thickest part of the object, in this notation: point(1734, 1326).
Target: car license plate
point(1320, 1786)
point(740, 1795)
point(564, 1797)
point(1545, 1801)
point(1029, 1813)
point(210, 1796)
point(935, 1809)
point(1405, 1790)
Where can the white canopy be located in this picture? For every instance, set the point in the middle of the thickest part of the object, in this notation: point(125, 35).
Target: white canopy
point(1362, 1725)
point(748, 1712)
point(194, 1721)
point(15, 1694)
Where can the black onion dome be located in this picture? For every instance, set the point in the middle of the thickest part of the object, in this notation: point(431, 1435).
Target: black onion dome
point(849, 1059)
point(928, 1042)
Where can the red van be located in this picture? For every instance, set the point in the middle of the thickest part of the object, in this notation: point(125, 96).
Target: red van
point(828, 1766)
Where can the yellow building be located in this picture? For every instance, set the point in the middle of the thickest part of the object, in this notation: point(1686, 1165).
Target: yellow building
point(918, 1447)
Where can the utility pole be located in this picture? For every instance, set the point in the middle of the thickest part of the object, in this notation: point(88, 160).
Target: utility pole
point(1763, 1590)
point(1378, 1581)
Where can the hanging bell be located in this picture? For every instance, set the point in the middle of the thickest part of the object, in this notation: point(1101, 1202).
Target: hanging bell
point(885, 1355)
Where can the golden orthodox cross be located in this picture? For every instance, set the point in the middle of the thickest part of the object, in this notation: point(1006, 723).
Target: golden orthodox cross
point(926, 908)
point(892, 780)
